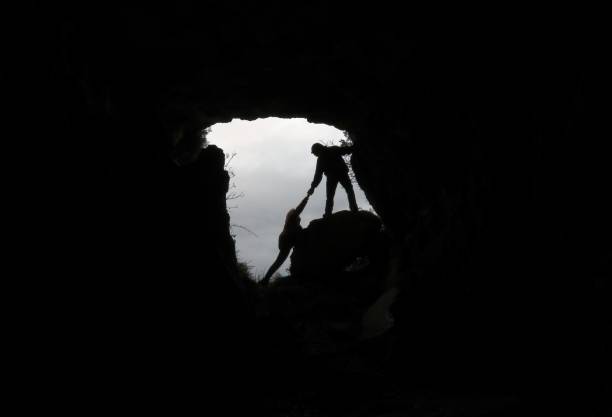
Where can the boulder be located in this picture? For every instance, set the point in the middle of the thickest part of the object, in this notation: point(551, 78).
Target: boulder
point(329, 245)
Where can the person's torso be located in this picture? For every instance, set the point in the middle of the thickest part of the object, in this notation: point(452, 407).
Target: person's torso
point(288, 238)
point(333, 164)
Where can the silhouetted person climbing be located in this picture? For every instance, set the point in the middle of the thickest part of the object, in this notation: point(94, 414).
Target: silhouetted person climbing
point(287, 238)
point(330, 163)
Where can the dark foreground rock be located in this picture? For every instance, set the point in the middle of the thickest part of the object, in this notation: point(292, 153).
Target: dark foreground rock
point(338, 270)
point(331, 244)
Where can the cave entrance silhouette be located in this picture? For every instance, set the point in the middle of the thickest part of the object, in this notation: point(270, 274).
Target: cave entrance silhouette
point(272, 167)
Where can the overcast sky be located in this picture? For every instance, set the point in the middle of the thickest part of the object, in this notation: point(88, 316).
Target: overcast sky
point(274, 169)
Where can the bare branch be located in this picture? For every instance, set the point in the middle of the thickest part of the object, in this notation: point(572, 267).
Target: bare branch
point(244, 228)
point(234, 195)
point(228, 158)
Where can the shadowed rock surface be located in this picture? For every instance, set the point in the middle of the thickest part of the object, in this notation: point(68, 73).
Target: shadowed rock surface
point(330, 314)
point(338, 270)
point(331, 244)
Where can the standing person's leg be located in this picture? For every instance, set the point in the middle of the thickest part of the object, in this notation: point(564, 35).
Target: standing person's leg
point(348, 187)
point(331, 185)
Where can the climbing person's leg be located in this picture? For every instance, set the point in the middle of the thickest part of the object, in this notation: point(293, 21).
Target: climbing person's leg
point(331, 185)
point(280, 259)
point(350, 193)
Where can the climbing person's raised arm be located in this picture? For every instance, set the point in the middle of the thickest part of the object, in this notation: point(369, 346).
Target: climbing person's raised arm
point(300, 207)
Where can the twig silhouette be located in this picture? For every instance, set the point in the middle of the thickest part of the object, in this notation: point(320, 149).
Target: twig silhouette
point(245, 228)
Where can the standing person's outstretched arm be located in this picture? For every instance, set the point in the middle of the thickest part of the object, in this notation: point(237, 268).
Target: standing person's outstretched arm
point(317, 177)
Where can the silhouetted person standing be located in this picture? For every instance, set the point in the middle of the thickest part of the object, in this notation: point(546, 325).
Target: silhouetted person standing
point(330, 163)
point(287, 238)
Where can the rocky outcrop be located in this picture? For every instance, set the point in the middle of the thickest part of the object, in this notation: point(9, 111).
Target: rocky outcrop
point(329, 245)
point(337, 294)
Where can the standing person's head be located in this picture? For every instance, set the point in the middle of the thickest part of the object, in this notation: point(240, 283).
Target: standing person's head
point(317, 149)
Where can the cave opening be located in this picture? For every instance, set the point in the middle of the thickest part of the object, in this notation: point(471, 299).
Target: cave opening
point(271, 168)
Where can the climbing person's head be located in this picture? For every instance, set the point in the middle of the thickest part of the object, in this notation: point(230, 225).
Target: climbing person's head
point(292, 220)
point(317, 149)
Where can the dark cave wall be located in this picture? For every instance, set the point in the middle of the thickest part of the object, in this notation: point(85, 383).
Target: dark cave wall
point(469, 142)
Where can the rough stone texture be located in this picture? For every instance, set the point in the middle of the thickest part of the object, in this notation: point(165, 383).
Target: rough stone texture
point(476, 144)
